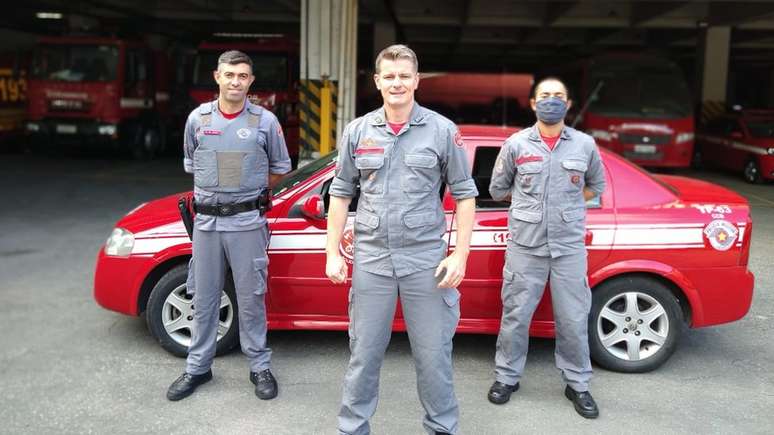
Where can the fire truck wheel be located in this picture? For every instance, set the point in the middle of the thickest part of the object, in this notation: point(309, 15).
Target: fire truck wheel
point(148, 142)
point(634, 325)
point(170, 314)
point(752, 172)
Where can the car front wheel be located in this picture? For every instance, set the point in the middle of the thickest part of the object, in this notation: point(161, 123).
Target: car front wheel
point(635, 324)
point(170, 314)
point(752, 172)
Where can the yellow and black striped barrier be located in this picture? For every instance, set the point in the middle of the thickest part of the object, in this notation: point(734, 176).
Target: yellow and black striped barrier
point(318, 115)
point(711, 110)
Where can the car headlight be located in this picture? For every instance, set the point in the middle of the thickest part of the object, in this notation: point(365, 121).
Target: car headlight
point(770, 151)
point(601, 135)
point(33, 127)
point(107, 129)
point(684, 137)
point(120, 243)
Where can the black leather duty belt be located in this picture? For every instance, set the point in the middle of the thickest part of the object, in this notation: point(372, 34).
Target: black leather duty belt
point(226, 209)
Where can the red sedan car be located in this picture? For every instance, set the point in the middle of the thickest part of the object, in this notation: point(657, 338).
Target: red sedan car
point(663, 253)
point(742, 142)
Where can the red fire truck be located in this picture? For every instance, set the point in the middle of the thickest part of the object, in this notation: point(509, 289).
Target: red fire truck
point(13, 94)
point(636, 105)
point(98, 91)
point(275, 66)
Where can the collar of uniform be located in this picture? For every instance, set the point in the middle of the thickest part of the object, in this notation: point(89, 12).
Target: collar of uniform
point(534, 134)
point(416, 117)
point(247, 107)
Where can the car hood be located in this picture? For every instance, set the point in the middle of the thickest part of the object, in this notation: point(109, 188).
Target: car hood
point(693, 190)
point(153, 214)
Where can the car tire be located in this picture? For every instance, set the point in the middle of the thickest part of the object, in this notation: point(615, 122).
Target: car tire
point(697, 158)
point(634, 325)
point(752, 172)
point(170, 314)
point(148, 142)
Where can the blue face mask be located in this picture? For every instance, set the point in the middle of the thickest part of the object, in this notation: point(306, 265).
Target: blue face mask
point(551, 110)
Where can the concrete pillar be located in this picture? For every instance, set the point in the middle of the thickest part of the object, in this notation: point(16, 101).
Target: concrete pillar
point(327, 62)
point(715, 48)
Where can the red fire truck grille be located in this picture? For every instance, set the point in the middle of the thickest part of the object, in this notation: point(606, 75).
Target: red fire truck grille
point(650, 139)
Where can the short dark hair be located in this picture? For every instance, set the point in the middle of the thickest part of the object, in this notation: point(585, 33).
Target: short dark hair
point(533, 91)
point(235, 57)
point(394, 53)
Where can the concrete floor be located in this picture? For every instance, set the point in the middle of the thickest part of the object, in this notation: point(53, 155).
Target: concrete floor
point(69, 366)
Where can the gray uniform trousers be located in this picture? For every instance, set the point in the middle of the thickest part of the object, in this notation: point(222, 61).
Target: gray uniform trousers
point(431, 316)
point(524, 280)
point(245, 252)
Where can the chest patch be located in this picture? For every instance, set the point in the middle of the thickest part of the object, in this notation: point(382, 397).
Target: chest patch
point(212, 132)
point(575, 179)
point(243, 133)
point(366, 142)
point(374, 150)
point(528, 158)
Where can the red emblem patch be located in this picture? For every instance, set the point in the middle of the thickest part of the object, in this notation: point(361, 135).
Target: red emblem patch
point(575, 179)
point(458, 139)
point(527, 158)
point(212, 132)
point(369, 151)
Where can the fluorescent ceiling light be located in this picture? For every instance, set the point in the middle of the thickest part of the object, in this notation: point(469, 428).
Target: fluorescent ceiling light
point(247, 35)
point(49, 15)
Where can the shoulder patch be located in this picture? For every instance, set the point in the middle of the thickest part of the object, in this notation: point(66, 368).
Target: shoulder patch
point(458, 139)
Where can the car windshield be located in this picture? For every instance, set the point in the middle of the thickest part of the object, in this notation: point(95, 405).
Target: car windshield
point(75, 63)
point(763, 128)
point(652, 90)
point(270, 70)
point(302, 173)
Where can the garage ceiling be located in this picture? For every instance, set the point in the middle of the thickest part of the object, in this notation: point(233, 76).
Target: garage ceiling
point(447, 34)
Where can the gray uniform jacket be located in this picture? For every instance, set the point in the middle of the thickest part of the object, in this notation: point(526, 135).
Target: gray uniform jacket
point(231, 160)
point(547, 215)
point(400, 223)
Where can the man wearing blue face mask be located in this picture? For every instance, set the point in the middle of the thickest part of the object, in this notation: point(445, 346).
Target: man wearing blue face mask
point(548, 172)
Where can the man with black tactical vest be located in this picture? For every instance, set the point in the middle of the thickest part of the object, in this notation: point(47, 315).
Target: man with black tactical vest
point(236, 152)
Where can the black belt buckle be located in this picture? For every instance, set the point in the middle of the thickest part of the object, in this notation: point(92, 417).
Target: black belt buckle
point(226, 210)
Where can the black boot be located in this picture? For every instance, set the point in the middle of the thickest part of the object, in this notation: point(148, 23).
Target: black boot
point(265, 384)
point(500, 393)
point(583, 402)
point(186, 384)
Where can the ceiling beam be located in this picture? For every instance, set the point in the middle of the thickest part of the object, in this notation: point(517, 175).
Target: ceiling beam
point(730, 13)
point(648, 10)
point(554, 10)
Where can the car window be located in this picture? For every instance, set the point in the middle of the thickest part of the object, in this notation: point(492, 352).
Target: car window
point(302, 173)
point(483, 162)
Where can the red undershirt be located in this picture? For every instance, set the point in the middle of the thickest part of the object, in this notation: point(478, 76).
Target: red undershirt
point(231, 115)
point(550, 141)
point(396, 127)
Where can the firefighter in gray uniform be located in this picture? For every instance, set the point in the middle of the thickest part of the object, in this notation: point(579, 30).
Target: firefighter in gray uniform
point(548, 172)
point(400, 155)
point(235, 150)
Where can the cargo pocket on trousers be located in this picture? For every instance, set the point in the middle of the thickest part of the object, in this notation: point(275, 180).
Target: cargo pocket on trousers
point(189, 281)
point(260, 269)
point(350, 313)
point(506, 292)
point(451, 296)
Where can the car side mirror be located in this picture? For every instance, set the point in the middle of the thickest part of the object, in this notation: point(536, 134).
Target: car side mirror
point(737, 135)
point(313, 207)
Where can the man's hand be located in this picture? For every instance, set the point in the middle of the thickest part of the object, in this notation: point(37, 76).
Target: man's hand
point(336, 268)
point(455, 270)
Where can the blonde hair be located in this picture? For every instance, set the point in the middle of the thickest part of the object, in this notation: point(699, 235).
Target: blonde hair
point(395, 52)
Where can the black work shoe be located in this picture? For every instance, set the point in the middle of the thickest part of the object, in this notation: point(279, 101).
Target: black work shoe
point(583, 402)
point(186, 384)
point(265, 384)
point(500, 393)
